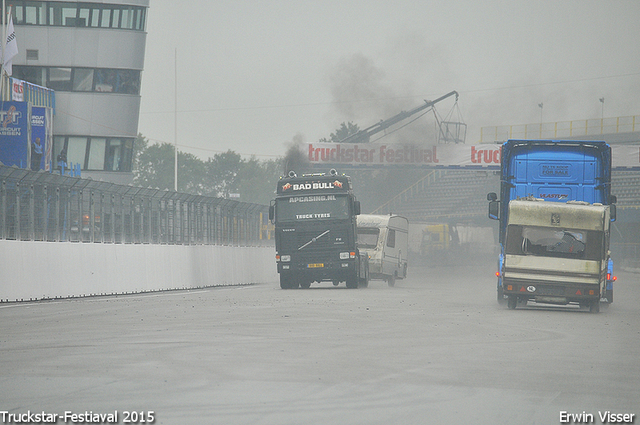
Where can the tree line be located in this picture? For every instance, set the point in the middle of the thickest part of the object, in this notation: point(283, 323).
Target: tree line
point(227, 174)
point(224, 175)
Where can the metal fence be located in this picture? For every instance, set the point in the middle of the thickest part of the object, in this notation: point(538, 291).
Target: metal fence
point(42, 206)
point(560, 129)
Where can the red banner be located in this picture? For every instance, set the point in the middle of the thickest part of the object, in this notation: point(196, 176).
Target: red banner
point(454, 155)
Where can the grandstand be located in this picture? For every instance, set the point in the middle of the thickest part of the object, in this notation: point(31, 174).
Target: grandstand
point(445, 195)
point(458, 196)
point(625, 184)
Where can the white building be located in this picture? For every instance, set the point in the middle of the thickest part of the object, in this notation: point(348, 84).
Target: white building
point(92, 54)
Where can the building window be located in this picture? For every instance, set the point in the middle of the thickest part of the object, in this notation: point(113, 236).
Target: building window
point(33, 74)
point(62, 14)
point(73, 14)
point(59, 79)
point(96, 153)
point(35, 13)
point(77, 151)
point(126, 81)
point(82, 79)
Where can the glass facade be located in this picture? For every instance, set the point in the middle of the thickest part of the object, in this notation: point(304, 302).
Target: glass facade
point(71, 14)
point(125, 81)
point(96, 153)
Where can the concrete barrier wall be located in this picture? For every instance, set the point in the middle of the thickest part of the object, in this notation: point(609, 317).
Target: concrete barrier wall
point(41, 270)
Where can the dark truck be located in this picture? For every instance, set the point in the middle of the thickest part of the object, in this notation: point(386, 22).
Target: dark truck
point(315, 231)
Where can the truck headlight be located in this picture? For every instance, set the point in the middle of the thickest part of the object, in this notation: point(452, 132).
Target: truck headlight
point(285, 258)
point(344, 255)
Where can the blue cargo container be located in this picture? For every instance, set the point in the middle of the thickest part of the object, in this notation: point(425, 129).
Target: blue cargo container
point(554, 170)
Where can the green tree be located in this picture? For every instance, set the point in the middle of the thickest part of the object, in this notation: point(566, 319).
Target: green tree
point(153, 165)
point(222, 173)
point(257, 180)
point(345, 130)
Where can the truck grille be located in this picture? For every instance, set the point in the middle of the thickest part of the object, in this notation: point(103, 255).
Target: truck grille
point(301, 238)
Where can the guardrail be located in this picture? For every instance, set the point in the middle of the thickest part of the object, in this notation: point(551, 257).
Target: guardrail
point(561, 129)
point(42, 206)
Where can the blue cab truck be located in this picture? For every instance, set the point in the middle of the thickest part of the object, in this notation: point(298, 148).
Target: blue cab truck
point(315, 231)
point(557, 171)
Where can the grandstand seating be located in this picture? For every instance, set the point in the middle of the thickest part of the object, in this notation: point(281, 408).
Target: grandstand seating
point(444, 195)
point(462, 195)
point(626, 186)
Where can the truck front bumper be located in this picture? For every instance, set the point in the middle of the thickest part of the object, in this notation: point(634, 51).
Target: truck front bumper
point(317, 271)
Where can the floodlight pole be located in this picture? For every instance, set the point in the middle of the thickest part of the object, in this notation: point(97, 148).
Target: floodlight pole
point(175, 121)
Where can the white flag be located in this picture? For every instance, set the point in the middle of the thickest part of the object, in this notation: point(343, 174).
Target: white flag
point(11, 49)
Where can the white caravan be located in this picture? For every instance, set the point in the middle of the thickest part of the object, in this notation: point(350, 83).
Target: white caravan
point(556, 252)
point(385, 239)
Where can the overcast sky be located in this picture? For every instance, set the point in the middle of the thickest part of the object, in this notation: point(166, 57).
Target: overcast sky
point(255, 75)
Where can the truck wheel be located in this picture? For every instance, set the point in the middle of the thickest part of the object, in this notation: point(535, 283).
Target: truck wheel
point(336, 283)
point(285, 282)
point(594, 307)
point(512, 302)
point(391, 281)
point(288, 282)
point(352, 281)
point(305, 285)
point(609, 295)
point(363, 282)
point(501, 298)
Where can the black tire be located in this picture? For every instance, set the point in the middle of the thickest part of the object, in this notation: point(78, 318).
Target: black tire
point(336, 282)
point(352, 281)
point(305, 285)
point(512, 302)
point(594, 307)
point(609, 296)
point(501, 298)
point(364, 281)
point(285, 282)
point(391, 281)
point(288, 282)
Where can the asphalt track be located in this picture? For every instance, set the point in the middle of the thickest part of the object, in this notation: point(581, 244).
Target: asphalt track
point(434, 349)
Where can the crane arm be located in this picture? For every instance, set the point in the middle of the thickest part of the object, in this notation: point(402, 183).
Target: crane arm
point(363, 136)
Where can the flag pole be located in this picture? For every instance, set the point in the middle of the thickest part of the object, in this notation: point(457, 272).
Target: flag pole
point(175, 119)
point(4, 41)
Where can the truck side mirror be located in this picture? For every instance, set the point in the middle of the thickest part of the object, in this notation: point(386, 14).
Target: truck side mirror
point(492, 196)
point(272, 212)
point(612, 212)
point(356, 207)
point(494, 210)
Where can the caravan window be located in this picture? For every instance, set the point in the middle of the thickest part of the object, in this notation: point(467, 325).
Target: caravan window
point(554, 242)
point(391, 238)
point(368, 237)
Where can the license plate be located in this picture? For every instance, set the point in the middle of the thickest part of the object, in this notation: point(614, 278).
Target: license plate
point(315, 265)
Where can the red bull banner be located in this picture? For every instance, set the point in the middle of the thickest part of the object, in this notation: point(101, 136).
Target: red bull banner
point(485, 156)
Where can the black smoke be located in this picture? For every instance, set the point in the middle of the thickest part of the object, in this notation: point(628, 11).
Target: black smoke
point(295, 158)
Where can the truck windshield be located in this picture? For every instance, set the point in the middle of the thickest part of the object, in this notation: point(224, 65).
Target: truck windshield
point(312, 207)
point(368, 237)
point(554, 242)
